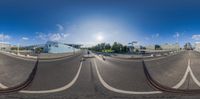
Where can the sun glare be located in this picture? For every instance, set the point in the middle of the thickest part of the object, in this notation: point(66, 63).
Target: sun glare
point(100, 38)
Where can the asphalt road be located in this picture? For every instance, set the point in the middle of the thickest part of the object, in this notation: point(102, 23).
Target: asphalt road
point(168, 71)
point(95, 78)
point(54, 74)
point(14, 71)
point(126, 75)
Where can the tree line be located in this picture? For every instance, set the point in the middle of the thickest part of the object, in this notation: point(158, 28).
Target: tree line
point(118, 48)
point(106, 47)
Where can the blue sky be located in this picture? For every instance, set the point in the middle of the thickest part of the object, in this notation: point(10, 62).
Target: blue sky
point(84, 21)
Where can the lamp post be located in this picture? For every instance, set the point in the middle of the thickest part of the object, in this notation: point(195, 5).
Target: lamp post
point(18, 49)
point(132, 44)
point(2, 41)
point(74, 49)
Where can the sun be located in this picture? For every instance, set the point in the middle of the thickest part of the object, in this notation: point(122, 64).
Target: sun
point(100, 38)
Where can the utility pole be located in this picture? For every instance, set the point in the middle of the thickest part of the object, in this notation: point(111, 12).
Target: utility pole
point(18, 49)
point(74, 49)
point(177, 37)
point(2, 41)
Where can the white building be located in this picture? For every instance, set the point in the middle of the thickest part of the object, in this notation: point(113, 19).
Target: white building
point(58, 47)
point(5, 46)
point(150, 47)
point(167, 46)
point(197, 46)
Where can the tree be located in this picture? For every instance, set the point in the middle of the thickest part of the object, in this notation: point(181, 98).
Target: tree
point(107, 47)
point(125, 49)
point(39, 50)
point(102, 46)
point(117, 47)
point(142, 47)
point(14, 48)
point(158, 47)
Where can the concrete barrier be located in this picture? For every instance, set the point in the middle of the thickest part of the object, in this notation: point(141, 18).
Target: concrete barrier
point(42, 56)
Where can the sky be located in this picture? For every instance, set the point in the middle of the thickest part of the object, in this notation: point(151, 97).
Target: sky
point(88, 22)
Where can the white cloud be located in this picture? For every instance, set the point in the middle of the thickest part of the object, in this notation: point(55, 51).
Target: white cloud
point(86, 44)
point(52, 36)
point(59, 36)
point(146, 38)
point(60, 27)
point(42, 36)
point(197, 42)
point(196, 37)
point(155, 35)
point(4, 36)
point(25, 38)
point(176, 35)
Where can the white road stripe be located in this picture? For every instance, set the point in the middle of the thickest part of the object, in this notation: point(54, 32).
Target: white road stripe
point(57, 89)
point(193, 77)
point(3, 86)
point(156, 58)
point(187, 72)
point(184, 77)
point(178, 85)
point(119, 90)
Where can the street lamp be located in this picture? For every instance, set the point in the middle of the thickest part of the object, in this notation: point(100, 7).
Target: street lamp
point(2, 41)
point(18, 49)
point(73, 49)
point(132, 44)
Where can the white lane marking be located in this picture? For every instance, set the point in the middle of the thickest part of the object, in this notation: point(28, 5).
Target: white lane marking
point(156, 58)
point(187, 72)
point(3, 86)
point(181, 82)
point(57, 89)
point(193, 77)
point(119, 90)
point(184, 77)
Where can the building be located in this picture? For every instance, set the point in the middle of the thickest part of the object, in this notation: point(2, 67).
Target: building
point(150, 47)
point(188, 46)
point(5, 46)
point(197, 46)
point(58, 47)
point(53, 47)
point(167, 46)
